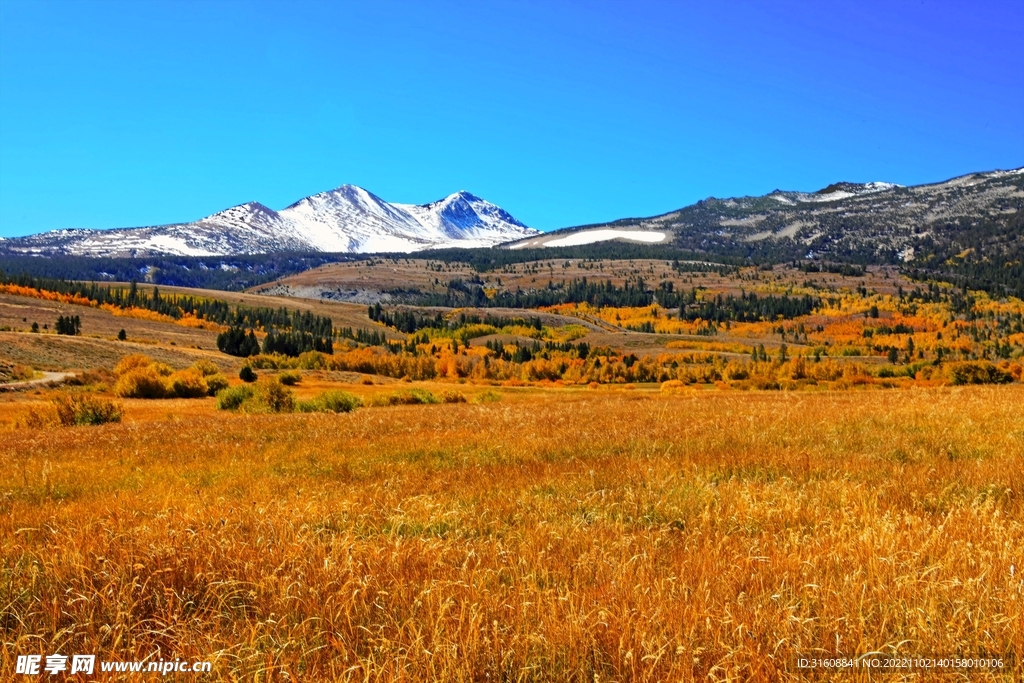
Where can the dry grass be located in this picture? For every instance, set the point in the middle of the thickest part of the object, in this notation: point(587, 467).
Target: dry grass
point(371, 277)
point(562, 535)
point(17, 313)
point(58, 352)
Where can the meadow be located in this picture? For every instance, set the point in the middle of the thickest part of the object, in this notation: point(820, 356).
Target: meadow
point(583, 491)
point(549, 534)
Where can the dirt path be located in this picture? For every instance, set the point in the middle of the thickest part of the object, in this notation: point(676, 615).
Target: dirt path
point(47, 378)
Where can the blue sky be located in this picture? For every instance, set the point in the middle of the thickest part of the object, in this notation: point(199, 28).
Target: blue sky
point(117, 114)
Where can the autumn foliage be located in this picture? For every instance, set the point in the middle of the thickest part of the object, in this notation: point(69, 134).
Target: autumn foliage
point(139, 376)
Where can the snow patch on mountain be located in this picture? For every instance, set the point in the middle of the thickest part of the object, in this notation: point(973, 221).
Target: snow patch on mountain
point(844, 191)
point(591, 237)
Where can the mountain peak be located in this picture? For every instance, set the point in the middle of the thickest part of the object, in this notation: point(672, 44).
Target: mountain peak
point(856, 188)
point(462, 194)
point(346, 219)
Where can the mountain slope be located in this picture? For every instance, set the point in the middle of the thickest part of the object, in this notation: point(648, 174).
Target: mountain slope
point(870, 222)
point(348, 219)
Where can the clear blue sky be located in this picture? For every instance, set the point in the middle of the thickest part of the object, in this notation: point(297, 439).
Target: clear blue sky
point(117, 114)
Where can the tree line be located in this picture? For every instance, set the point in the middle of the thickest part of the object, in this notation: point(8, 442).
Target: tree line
point(410, 322)
point(287, 330)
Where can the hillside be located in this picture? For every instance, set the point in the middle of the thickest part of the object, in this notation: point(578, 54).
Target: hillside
point(969, 228)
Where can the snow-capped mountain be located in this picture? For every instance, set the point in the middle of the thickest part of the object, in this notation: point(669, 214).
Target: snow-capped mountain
point(348, 220)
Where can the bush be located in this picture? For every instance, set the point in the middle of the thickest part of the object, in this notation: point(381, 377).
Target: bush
point(162, 369)
point(404, 398)
point(205, 367)
point(488, 397)
point(269, 396)
point(266, 396)
point(330, 402)
point(734, 371)
point(187, 384)
point(141, 382)
point(977, 372)
point(312, 360)
point(247, 374)
point(290, 379)
point(452, 396)
point(81, 409)
point(134, 361)
point(233, 397)
point(216, 383)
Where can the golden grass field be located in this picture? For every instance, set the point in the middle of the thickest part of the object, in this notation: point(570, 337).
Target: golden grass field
point(557, 535)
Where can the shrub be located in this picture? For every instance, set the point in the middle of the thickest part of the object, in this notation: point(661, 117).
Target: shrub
point(330, 402)
point(247, 374)
point(269, 396)
point(82, 409)
point(216, 383)
point(205, 367)
point(452, 396)
point(187, 384)
point(266, 396)
point(141, 382)
point(404, 398)
point(134, 361)
point(233, 397)
point(488, 397)
point(312, 360)
point(672, 386)
point(977, 372)
point(290, 379)
point(162, 369)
